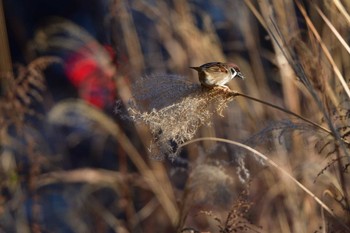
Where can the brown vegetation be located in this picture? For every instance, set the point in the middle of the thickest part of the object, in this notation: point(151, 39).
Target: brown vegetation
point(270, 156)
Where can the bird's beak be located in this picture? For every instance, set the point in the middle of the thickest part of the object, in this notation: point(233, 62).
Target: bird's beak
point(195, 68)
point(240, 75)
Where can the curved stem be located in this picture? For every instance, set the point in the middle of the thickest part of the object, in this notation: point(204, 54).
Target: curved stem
point(275, 165)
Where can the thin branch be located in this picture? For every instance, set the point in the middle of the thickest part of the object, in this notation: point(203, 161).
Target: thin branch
point(324, 129)
point(286, 111)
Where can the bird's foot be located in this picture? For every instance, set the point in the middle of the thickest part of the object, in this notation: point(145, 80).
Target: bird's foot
point(226, 89)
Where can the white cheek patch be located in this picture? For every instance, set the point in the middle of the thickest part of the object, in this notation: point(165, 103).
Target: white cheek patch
point(233, 73)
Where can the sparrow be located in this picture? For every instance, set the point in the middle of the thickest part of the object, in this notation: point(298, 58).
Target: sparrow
point(217, 74)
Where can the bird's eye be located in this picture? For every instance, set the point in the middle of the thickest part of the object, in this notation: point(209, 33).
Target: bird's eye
point(233, 71)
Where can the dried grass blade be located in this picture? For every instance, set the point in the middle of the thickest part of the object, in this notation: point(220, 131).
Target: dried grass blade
point(342, 10)
point(279, 168)
point(333, 29)
point(324, 48)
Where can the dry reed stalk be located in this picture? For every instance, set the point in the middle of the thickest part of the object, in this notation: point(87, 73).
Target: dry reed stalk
point(281, 170)
point(324, 49)
point(57, 115)
point(5, 59)
point(84, 175)
point(121, 11)
point(184, 42)
point(333, 29)
point(258, 80)
point(342, 10)
point(272, 17)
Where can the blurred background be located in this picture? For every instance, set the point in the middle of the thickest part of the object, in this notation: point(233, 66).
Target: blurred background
point(71, 160)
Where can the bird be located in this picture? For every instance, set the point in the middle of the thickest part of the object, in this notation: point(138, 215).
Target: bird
point(217, 74)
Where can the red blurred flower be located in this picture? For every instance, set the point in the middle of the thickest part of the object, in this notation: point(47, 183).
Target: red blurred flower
point(91, 71)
